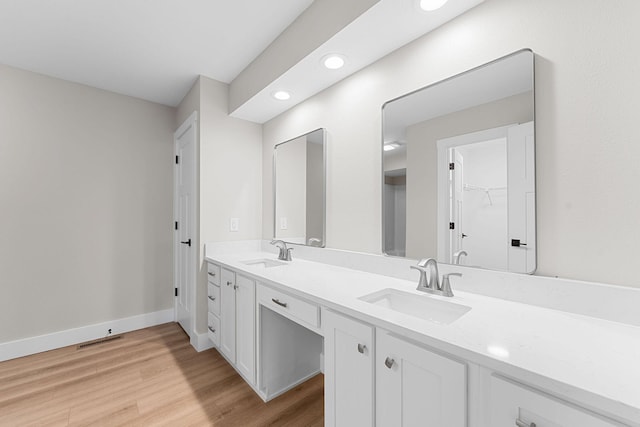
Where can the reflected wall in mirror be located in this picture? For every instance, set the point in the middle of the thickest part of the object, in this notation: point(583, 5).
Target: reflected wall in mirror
point(459, 169)
point(299, 189)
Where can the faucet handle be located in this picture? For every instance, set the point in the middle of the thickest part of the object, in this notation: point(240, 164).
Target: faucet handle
point(287, 254)
point(422, 283)
point(446, 284)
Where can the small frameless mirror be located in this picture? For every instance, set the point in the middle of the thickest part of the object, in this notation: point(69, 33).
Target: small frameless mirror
point(299, 168)
point(459, 169)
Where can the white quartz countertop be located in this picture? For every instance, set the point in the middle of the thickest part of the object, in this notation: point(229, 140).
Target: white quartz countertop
point(593, 362)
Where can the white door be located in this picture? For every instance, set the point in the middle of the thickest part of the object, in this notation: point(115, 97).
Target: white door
point(246, 327)
point(457, 199)
point(416, 387)
point(348, 371)
point(521, 198)
point(184, 214)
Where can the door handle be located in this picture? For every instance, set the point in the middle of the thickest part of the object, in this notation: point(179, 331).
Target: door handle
point(520, 423)
point(188, 243)
point(361, 348)
point(517, 243)
point(388, 362)
point(212, 298)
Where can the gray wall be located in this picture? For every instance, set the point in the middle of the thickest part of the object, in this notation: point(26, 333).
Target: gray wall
point(86, 205)
point(588, 98)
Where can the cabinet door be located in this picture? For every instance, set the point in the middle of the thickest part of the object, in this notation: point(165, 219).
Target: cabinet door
point(511, 402)
point(245, 327)
point(228, 314)
point(416, 387)
point(348, 347)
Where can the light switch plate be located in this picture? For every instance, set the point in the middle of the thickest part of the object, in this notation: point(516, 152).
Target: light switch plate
point(234, 224)
point(283, 223)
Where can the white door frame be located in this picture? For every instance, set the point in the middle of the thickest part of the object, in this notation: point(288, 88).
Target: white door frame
point(443, 146)
point(191, 121)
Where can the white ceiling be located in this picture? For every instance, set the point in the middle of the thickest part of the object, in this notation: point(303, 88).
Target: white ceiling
point(150, 49)
point(155, 49)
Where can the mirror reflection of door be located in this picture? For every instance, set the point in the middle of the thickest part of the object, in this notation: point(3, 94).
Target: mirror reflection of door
point(490, 192)
point(497, 94)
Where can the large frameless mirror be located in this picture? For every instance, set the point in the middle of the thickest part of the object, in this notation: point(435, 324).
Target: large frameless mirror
point(299, 189)
point(459, 169)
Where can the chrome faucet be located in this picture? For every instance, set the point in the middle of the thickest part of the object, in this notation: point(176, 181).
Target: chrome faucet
point(431, 283)
point(457, 255)
point(285, 253)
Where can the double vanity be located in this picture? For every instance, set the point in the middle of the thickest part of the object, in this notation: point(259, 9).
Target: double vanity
point(395, 356)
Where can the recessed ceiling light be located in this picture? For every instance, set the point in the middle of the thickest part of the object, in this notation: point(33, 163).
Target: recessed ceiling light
point(333, 61)
point(430, 5)
point(281, 95)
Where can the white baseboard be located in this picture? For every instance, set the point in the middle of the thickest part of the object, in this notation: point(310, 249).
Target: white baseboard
point(201, 342)
point(33, 345)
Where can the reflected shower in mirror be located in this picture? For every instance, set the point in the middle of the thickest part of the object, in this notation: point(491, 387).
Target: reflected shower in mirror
point(299, 189)
point(459, 169)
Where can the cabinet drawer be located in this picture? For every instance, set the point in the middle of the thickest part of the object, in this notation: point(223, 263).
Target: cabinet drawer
point(213, 329)
point(213, 274)
point(511, 401)
point(213, 299)
point(292, 307)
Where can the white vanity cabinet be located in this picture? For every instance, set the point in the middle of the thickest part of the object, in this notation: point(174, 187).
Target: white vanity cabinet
point(213, 303)
point(514, 404)
point(349, 371)
point(237, 322)
point(417, 387)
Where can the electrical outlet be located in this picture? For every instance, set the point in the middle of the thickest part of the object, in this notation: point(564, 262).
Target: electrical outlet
point(283, 223)
point(234, 224)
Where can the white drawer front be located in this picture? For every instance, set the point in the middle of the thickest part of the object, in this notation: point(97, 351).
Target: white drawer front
point(213, 274)
point(213, 299)
point(292, 306)
point(213, 329)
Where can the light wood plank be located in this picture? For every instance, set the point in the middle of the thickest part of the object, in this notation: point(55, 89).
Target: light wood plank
point(150, 377)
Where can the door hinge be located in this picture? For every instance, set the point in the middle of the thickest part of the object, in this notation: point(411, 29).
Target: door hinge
point(175, 292)
point(177, 159)
point(452, 166)
point(175, 225)
point(452, 226)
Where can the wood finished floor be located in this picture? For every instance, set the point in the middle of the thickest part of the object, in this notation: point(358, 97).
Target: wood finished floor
point(150, 377)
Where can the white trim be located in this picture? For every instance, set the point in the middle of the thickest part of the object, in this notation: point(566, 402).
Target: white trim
point(443, 145)
point(191, 121)
point(201, 342)
point(27, 346)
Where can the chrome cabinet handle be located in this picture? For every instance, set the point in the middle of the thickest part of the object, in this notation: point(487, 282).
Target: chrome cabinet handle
point(211, 274)
point(235, 287)
point(228, 283)
point(212, 298)
point(521, 423)
point(388, 362)
point(361, 348)
point(214, 331)
point(281, 304)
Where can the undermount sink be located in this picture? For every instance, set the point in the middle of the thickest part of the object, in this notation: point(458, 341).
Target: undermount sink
point(421, 306)
point(263, 262)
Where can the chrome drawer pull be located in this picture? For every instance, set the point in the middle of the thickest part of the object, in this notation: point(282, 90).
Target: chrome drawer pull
point(389, 363)
point(361, 348)
point(520, 423)
point(212, 274)
point(212, 298)
point(214, 331)
point(281, 304)
point(229, 283)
